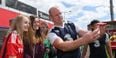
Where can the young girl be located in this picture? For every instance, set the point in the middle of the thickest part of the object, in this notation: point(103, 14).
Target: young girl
point(14, 45)
point(38, 32)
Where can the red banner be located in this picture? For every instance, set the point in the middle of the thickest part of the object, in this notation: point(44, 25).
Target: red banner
point(5, 16)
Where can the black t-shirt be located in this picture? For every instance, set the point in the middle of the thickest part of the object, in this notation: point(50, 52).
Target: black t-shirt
point(97, 48)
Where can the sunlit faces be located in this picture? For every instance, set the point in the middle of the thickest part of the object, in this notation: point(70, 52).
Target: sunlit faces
point(25, 24)
point(43, 25)
point(44, 29)
point(36, 24)
point(57, 16)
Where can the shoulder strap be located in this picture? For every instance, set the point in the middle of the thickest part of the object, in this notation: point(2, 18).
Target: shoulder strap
point(72, 30)
point(71, 25)
point(57, 31)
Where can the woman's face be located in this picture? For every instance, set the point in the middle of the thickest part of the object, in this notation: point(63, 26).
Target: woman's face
point(25, 24)
point(44, 29)
point(36, 24)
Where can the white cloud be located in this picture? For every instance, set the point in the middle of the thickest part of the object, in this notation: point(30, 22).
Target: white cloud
point(101, 10)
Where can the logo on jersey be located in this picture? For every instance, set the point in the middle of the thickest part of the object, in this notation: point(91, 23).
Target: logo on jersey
point(20, 50)
point(96, 43)
point(68, 37)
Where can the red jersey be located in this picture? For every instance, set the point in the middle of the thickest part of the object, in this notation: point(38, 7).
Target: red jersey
point(14, 46)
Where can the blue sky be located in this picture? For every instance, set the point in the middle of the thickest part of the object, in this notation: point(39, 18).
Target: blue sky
point(81, 12)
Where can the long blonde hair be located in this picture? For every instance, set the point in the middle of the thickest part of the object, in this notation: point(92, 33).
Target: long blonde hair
point(32, 31)
point(17, 25)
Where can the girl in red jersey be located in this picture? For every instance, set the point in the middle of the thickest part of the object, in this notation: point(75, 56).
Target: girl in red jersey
point(14, 45)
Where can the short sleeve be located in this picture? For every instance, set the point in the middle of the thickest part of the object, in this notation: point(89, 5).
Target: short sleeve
point(77, 28)
point(52, 37)
point(11, 49)
point(11, 45)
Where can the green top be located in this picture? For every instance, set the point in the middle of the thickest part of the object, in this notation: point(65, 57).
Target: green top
point(46, 45)
point(49, 50)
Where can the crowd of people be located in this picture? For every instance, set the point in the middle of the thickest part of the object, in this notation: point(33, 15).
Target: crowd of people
point(30, 37)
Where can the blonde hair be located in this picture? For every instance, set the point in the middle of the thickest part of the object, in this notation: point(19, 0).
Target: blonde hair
point(17, 25)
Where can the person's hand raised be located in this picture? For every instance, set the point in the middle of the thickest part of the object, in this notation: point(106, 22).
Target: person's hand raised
point(102, 27)
point(91, 36)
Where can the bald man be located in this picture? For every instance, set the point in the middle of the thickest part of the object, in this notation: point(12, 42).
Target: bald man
point(64, 36)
